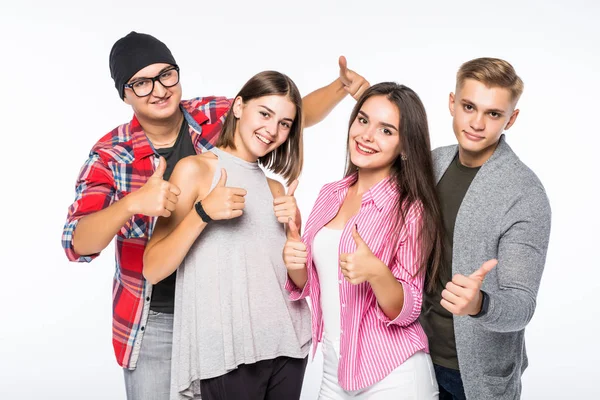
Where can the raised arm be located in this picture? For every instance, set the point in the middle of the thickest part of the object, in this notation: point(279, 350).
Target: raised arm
point(295, 257)
point(398, 288)
point(318, 104)
point(520, 263)
point(95, 231)
point(521, 258)
point(95, 218)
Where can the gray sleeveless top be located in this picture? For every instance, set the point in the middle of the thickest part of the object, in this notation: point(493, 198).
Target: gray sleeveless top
point(231, 306)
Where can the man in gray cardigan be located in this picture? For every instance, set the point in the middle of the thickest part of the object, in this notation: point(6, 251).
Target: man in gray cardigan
point(497, 225)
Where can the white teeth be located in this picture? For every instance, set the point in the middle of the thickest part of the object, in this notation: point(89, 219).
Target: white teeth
point(263, 139)
point(365, 149)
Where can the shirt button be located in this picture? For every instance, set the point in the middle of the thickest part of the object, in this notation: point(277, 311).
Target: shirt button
point(142, 328)
point(147, 298)
point(340, 281)
point(343, 304)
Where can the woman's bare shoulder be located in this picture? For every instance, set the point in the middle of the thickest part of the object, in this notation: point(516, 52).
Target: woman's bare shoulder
point(276, 187)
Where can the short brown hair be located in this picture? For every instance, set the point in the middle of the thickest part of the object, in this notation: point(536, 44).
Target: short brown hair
point(286, 160)
point(492, 72)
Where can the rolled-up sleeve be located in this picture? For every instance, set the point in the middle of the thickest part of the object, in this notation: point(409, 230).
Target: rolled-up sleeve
point(404, 267)
point(94, 191)
point(295, 292)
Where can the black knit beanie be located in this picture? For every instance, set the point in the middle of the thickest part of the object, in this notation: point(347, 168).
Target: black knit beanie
point(133, 53)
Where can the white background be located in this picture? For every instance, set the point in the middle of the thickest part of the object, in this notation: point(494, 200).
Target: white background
point(57, 99)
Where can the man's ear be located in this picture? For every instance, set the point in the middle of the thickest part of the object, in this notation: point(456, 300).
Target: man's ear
point(512, 119)
point(451, 104)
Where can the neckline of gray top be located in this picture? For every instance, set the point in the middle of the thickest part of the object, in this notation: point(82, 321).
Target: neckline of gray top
point(224, 155)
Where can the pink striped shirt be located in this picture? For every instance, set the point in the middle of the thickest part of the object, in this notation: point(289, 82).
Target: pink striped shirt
point(371, 345)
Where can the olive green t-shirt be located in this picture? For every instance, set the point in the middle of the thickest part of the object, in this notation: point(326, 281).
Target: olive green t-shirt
point(435, 319)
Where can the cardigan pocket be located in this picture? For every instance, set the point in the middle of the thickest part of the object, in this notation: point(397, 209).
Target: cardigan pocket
point(499, 385)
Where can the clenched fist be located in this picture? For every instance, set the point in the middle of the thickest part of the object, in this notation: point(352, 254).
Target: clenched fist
point(362, 265)
point(285, 207)
point(224, 202)
point(294, 251)
point(157, 198)
point(462, 295)
point(354, 84)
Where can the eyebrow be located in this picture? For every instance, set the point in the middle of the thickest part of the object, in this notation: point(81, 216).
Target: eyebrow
point(273, 112)
point(144, 77)
point(496, 110)
point(381, 123)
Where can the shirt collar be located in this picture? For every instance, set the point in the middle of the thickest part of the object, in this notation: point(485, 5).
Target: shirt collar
point(141, 145)
point(381, 194)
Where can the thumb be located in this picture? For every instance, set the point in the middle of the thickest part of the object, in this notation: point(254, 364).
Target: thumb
point(223, 179)
point(343, 66)
point(357, 239)
point(484, 269)
point(160, 169)
point(293, 232)
point(292, 188)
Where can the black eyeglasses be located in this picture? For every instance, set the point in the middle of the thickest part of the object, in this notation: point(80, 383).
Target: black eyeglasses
point(143, 87)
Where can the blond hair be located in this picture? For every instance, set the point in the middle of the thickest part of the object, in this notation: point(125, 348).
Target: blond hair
point(492, 72)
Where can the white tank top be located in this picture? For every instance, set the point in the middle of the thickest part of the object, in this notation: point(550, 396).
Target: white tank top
point(325, 252)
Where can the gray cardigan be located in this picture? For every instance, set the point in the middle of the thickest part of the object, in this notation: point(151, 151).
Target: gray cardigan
point(505, 215)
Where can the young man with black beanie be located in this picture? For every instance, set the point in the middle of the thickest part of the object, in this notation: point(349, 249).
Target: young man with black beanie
point(123, 186)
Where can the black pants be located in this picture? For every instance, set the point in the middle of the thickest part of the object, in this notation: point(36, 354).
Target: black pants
point(450, 383)
point(277, 379)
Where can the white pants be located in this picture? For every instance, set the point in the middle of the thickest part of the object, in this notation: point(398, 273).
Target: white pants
point(413, 380)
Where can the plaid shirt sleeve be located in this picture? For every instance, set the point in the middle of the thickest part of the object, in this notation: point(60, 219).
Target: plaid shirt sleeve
point(94, 191)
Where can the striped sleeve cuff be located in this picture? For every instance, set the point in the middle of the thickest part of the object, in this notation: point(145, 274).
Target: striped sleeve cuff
point(295, 293)
point(410, 309)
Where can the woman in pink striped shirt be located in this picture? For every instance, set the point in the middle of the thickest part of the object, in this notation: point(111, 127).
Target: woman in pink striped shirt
point(368, 243)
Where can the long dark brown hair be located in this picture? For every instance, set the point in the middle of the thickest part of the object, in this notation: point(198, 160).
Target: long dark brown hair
point(286, 160)
point(413, 177)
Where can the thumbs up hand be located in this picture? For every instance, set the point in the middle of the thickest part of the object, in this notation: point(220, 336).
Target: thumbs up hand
point(294, 251)
point(354, 84)
point(462, 296)
point(224, 202)
point(160, 169)
point(285, 207)
point(157, 198)
point(362, 265)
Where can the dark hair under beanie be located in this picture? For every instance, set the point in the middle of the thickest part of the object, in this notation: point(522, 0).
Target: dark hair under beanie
point(133, 53)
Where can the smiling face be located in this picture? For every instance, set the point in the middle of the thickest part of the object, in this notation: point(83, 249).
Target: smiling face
point(374, 136)
point(480, 115)
point(160, 105)
point(263, 124)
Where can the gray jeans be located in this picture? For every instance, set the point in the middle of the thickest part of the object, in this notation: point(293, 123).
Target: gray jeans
point(151, 379)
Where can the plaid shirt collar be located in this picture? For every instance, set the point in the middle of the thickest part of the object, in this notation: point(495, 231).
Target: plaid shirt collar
point(142, 146)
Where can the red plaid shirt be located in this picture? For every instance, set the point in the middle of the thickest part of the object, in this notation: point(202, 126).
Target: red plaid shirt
point(120, 163)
